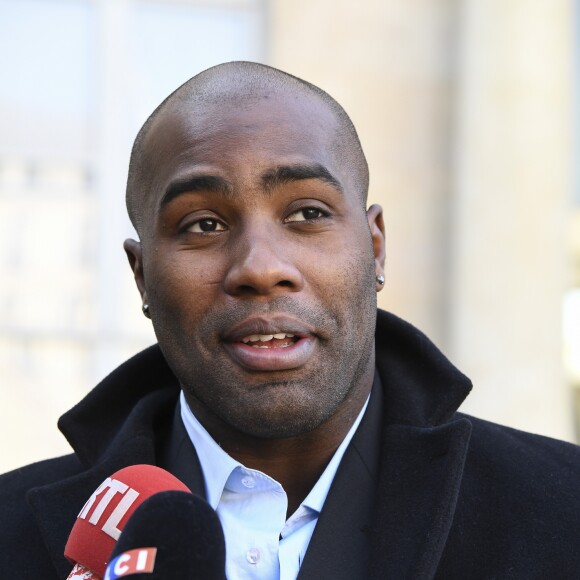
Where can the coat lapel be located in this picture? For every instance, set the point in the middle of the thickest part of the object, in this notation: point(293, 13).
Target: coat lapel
point(340, 546)
point(180, 457)
point(421, 472)
point(57, 505)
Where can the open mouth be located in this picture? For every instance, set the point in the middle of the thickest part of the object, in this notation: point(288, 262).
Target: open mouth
point(276, 343)
point(278, 340)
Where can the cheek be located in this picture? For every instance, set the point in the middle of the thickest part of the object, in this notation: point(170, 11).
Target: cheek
point(343, 280)
point(344, 263)
point(182, 284)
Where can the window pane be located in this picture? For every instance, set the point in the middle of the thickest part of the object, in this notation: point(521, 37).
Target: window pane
point(174, 42)
point(45, 95)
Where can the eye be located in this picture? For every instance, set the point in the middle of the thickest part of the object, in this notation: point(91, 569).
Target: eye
point(206, 225)
point(306, 214)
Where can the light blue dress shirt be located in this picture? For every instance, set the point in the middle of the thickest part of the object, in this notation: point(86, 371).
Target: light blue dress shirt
point(260, 542)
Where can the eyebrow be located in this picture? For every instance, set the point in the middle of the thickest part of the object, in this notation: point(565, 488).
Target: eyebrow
point(270, 180)
point(209, 183)
point(298, 172)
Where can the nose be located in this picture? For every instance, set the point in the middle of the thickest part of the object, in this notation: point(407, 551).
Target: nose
point(262, 265)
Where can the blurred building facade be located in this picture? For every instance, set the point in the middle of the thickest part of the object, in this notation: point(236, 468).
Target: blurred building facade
point(465, 111)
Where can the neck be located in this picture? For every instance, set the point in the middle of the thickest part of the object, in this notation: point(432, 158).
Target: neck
point(296, 462)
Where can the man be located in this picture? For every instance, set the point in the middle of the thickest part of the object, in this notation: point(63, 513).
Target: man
point(325, 437)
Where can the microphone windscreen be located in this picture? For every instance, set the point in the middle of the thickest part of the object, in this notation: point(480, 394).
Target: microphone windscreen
point(172, 536)
point(99, 523)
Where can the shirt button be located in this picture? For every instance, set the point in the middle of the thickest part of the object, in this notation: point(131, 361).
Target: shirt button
point(248, 482)
point(253, 555)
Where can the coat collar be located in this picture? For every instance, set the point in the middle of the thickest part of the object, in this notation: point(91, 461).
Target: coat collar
point(423, 452)
point(422, 388)
point(93, 433)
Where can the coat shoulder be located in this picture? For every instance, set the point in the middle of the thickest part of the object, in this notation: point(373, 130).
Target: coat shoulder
point(18, 527)
point(519, 504)
point(532, 476)
point(503, 452)
point(40, 473)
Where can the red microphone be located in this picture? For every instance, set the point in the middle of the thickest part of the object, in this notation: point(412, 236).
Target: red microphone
point(99, 523)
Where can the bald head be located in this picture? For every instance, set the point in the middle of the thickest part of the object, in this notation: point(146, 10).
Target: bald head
point(238, 85)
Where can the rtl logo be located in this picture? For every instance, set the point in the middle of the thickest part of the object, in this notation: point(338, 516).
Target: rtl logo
point(115, 492)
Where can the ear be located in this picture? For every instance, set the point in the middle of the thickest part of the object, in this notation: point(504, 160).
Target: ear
point(134, 253)
point(377, 227)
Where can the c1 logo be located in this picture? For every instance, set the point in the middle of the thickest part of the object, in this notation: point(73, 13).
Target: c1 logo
point(140, 560)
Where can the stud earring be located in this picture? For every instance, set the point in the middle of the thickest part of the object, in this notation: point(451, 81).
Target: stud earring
point(145, 309)
point(380, 280)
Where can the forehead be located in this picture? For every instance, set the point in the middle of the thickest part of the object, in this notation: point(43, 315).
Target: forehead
point(242, 135)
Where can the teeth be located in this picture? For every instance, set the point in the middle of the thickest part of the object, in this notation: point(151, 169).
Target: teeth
point(266, 337)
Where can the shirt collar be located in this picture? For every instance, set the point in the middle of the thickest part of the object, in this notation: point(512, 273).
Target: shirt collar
point(217, 465)
point(317, 496)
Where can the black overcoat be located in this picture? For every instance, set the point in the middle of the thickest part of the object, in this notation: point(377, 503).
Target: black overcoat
point(456, 497)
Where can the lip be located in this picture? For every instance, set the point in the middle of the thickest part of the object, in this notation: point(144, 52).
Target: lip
point(270, 359)
point(268, 325)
